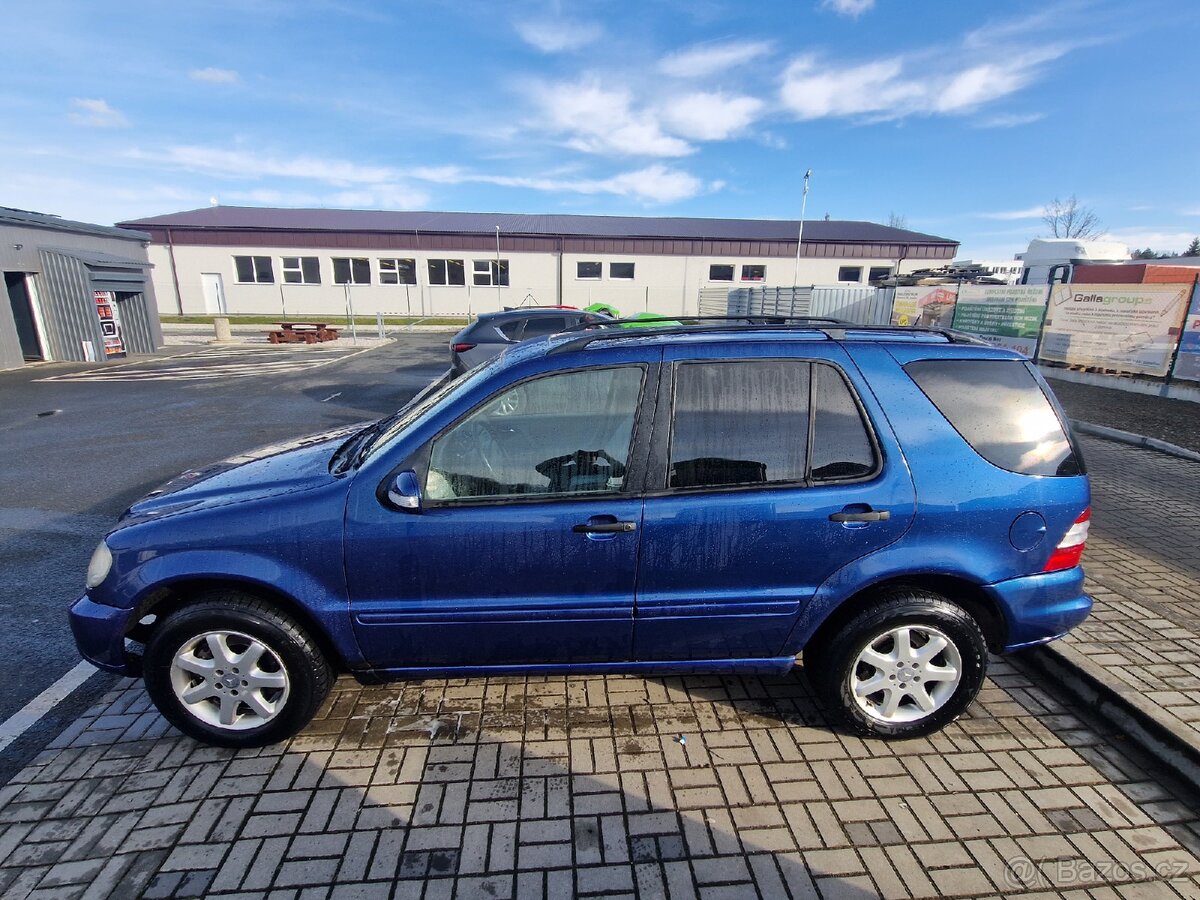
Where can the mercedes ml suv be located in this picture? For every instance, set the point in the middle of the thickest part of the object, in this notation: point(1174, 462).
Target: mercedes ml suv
point(885, 504)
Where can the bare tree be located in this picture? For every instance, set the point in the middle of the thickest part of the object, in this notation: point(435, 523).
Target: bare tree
point(897, 220)
point(1071, 220)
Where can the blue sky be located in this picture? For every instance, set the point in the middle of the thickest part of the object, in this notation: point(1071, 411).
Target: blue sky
point(963, 117)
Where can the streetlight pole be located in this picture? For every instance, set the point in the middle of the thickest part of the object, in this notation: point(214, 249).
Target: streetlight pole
point(800, 234)
point(499, 293)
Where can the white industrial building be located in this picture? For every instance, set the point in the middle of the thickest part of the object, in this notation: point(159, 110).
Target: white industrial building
point(323, 262)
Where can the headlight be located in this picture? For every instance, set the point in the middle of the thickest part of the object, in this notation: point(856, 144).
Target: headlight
point(99, 566)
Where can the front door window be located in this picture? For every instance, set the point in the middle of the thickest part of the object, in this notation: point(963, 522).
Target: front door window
point(561, 435)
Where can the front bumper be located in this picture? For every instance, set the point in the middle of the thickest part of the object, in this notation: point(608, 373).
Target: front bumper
point(99, 632)
point(1041, 608)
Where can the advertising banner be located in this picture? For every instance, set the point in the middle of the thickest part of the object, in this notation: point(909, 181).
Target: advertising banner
point(924, 305)
point(1188, 363)
point(1006, 315)
point(1126, 327)
point(110, 323)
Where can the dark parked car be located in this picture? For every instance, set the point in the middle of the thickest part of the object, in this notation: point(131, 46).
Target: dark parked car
point(888, 503)
point(492, 333)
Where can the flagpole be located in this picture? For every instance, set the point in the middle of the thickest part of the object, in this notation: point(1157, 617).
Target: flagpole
point(800, 233)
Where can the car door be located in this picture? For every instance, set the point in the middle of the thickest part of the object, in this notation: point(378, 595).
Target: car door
point(771, 468)
point(524, 549)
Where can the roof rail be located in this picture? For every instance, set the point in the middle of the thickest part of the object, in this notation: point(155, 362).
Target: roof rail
point(611, 329)
point(832, 328)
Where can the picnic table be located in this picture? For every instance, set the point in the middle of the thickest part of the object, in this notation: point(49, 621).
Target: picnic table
point(306, 332)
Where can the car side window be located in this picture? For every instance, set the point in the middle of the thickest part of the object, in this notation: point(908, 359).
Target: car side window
point(841, 446)
point(541, 326)
point(563, 434)
point(740, 422)
point(512, 329)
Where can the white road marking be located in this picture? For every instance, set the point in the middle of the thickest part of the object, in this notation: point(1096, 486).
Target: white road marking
point(331, 396)
point(26, 717)
point(233, 364)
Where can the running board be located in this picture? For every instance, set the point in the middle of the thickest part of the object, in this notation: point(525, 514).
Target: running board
point(773, 665)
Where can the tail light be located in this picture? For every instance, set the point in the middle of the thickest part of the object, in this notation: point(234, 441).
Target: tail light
point(1066, 555)
point(462, 348)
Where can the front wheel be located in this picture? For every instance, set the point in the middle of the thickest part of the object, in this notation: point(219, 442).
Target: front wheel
point(233, 671)
point(904, 667)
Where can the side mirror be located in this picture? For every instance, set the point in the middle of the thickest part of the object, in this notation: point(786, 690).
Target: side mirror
point(405, 492)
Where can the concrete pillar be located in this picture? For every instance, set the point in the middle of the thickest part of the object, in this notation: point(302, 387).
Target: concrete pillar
point(221, 329)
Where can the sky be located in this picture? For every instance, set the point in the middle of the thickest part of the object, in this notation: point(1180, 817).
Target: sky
point(963, 117)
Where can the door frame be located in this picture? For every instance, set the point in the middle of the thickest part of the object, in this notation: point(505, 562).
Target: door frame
point(222, 300)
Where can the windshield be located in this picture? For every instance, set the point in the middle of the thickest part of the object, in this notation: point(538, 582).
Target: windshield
point(384, 431)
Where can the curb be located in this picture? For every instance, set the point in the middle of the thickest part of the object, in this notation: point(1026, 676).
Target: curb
point(1135, 440)
point(1122, 705)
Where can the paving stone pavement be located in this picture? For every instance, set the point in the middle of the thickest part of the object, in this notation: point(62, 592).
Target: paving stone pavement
point(710, 787)
point(1143, 568)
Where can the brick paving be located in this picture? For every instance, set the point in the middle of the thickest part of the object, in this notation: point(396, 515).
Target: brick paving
point(1143, 567)
point(710, 787)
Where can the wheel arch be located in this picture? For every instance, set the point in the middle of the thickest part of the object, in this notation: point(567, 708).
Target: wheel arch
point(168, 598)
point(972, 597)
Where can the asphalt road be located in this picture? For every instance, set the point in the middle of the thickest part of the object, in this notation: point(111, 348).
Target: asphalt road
point(79, 443)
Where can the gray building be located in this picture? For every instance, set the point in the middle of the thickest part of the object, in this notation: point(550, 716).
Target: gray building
point(75, 291)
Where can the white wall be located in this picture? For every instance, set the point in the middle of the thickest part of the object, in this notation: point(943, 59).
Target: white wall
point(665, 284)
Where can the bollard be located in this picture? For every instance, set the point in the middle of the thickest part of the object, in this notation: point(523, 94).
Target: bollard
point(379, 323)
point(221, 331)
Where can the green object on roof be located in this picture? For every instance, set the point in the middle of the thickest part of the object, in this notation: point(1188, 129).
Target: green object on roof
point(649, 319)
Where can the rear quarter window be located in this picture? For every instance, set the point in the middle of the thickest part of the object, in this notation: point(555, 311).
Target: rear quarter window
point(1001, 411)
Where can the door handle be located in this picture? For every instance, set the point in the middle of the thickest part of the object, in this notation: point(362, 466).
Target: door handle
point(604, 527)
point(868, 515)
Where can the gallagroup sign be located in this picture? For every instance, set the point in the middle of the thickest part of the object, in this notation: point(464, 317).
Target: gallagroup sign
point(1126, 327)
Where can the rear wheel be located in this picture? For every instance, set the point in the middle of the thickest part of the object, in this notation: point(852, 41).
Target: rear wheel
point(234, 671)
point(906, 666)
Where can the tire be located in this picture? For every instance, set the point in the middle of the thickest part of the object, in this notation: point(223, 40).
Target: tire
point(917, 694)
point(196, 651)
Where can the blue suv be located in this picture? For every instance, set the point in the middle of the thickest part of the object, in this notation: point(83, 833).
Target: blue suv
point(890, 504)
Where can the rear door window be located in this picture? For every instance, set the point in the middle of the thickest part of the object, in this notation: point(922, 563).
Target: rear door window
point(1001, 411)
point(738, 423)
point(842, 445)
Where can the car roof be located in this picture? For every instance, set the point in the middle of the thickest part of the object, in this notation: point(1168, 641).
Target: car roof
point(526, 312)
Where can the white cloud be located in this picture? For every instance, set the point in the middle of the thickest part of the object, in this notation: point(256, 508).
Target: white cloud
point(906, 85)
point(1161, 239)
point(557, 35)
point(1013, 215)
point(710, 116)
point(96, 113)
point(214, 76)
point(359, 185)
point(245, 164)
point(604, 121)
point(852, 8)
point(708, 59)
point(1010, 120)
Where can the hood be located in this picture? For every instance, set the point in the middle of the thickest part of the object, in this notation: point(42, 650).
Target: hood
point(283, 468)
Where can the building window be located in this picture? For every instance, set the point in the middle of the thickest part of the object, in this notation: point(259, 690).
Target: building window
point(754, 273)
point(254, 269)
point(397, 271)
point(850, 273)
point(591, 270)
point(301, 270)
point(878, 273)
point(490, 273)
point(622, 271)
point(720, 273)
point(351, 271)
point(447, 271)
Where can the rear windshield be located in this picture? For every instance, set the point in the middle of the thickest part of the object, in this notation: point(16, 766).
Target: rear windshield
point(1000, 410)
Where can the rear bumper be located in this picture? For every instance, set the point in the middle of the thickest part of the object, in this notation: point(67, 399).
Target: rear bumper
point(1041, 608)
point(99, 632)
